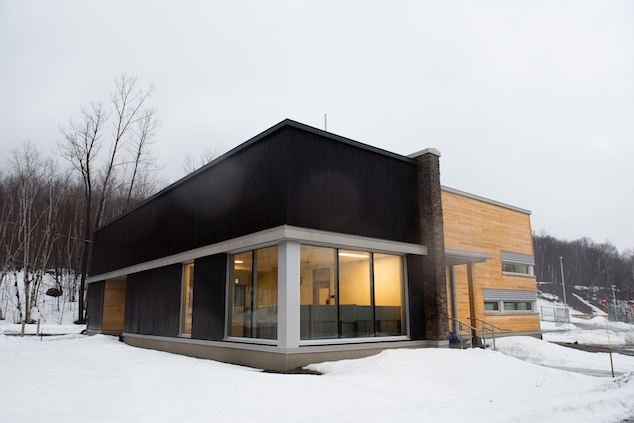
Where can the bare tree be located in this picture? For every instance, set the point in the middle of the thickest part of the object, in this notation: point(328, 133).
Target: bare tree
point(143, 161)
point(133, 127)
point(191, 163)
point(37, 196)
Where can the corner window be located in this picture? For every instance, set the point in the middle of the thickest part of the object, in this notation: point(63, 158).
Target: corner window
point(253, 294)
point(350, 294)
point(187, 301)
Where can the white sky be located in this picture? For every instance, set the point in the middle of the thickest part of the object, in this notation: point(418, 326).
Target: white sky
point(530, 103)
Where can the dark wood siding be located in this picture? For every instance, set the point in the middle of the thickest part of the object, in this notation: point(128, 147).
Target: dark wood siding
point(210, 281)
point(241, 194)
point(288, 176)
point(94, 305)
point(152, 302)
point(340, 187)
point(416, 295)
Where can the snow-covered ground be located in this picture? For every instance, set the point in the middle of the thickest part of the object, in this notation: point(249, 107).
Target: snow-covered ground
point(73, 377)
point(99, 379)
point(590, 332)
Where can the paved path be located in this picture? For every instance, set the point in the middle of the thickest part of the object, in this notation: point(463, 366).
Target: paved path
point(627, 350)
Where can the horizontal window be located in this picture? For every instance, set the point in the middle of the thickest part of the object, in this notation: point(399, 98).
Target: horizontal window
point(516, 268)
point(517, 306)
point(522, 264)
point(508, 306)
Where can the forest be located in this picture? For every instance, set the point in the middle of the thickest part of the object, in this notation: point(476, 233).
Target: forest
point(594, 268)
point(50, 206)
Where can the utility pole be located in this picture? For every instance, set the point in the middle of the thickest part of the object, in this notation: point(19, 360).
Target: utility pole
point(563, 284)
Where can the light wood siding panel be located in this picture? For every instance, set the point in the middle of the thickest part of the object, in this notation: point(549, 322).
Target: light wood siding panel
point(476, 225)
point(520, 322)
point(113, 306)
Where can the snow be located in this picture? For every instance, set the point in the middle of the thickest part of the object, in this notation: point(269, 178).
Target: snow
point(99, 379)
point(50, 310)
point(73, 377)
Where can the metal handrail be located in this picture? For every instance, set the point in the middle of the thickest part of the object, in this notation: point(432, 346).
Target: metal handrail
point(490, 330)
point(468, 331)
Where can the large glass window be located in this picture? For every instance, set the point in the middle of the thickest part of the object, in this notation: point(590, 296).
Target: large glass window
point(187, 299)
point(253, 294)
point(347, 293)
point(318, 309)
point(356, 317)
point(389, 295)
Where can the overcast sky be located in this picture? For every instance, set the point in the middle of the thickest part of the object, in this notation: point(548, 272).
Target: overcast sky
point(530, 103)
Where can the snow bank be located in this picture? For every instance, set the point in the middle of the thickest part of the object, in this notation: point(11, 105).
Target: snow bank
point(98, 379)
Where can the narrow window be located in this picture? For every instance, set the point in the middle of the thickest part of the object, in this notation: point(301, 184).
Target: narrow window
point(187, 299)
point(355, 295)
point(253, 294)
point(389, 297)
point(317, 289)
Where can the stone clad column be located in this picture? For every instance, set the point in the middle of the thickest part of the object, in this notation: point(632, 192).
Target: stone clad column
point(432, 236)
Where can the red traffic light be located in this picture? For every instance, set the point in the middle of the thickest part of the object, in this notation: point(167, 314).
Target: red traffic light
point(604, 301)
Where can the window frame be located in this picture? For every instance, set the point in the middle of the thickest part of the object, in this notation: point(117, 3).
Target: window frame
point(228, 301)
point(181, 319)
point(405, 326)
point(517, 260)
point(501, 306)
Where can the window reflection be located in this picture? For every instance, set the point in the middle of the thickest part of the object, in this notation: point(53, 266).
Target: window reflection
point(253, 295)
point(348, 293)
point(318, 309)
point(355, 301)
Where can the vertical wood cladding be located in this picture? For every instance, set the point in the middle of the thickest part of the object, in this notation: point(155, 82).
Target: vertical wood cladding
point(113, 306)
point(152, 303)
point(290, 175)
point(94, 305)
point(240, 194)
point(340, 187)
point(208, 320)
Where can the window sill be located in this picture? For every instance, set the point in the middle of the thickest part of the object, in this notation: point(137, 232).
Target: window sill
point(272, 342)
point(521, 275)
point(336, 341)
point(510, 313)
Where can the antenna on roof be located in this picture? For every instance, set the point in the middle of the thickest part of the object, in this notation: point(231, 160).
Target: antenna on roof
point(326, 122)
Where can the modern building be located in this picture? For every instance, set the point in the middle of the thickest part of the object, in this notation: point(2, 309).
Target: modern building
point(301, 246)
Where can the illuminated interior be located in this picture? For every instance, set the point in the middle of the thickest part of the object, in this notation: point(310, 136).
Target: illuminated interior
point(253, 294)
point(188, 299)
point(347, 294)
